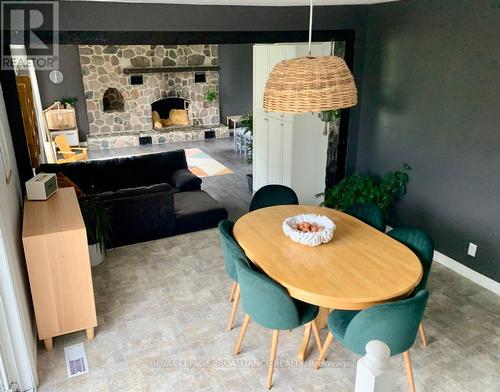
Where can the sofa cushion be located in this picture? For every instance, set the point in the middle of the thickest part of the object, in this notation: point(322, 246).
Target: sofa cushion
point(197, 210)
point(112, 174)
point(139, 214)
point(81, 173)
point(185, 180)
point(132, 192)
point(65, 182)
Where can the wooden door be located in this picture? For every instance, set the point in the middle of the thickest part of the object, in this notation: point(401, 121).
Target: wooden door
point(29, 118)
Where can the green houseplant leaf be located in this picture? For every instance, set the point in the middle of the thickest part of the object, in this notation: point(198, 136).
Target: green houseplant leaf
point(246, 122)
point(211, 95)
point(97, 221)
point(363, 188)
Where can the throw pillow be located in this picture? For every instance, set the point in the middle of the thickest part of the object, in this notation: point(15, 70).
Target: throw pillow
point(156, 117)
point(178, 117)
point(157, 121)
point(167, 122)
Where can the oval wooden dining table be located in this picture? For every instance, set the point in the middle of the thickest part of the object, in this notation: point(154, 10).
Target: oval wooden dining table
point(360, 267)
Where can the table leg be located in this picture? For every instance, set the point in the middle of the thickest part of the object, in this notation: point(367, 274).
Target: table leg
point(49, 344)
point(322, 318)
point(90, 333)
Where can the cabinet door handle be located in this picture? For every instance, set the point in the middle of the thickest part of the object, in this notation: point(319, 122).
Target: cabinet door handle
point(266, 119)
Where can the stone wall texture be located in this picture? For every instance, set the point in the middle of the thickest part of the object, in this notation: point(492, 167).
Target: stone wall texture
point(102, 68)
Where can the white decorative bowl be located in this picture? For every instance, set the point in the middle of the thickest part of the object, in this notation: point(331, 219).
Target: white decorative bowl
point(309, 238)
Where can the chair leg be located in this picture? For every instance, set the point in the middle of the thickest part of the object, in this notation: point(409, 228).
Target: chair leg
point(409, 370)
point(316, 334)
point(322, 354)
point(231, 293)
point(243, 329)
point(274, 348)
point(235, 307)
point(423, 336)
point(305, 342)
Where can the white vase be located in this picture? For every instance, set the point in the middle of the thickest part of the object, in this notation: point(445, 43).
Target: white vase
point(96, 256)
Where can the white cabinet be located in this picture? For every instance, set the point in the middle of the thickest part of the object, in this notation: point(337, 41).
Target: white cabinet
point(288, 149)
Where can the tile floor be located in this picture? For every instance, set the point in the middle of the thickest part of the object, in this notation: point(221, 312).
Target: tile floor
point(162, 310)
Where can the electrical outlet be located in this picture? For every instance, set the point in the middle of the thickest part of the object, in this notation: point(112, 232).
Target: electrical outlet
point(472, 249)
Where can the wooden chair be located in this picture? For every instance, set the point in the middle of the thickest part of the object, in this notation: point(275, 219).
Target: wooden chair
point(70, 154)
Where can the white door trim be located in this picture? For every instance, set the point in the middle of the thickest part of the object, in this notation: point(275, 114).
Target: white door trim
point(8, 368)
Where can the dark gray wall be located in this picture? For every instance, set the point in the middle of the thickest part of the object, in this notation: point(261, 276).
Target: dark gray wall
point(235, 79)
point(71, 87)
point(431, 97)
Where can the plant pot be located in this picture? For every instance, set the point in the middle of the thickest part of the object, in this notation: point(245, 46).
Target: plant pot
point(96, 256)
point(250, 182)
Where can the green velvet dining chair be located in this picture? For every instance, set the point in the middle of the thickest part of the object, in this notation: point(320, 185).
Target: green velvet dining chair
point(395, 323)
point(269, 305)
point(369, 213)
point(422, 245)
point(273, 195)
point(231, 252)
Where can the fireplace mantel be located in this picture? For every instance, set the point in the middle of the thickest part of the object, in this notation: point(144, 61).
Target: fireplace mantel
point(137, 70)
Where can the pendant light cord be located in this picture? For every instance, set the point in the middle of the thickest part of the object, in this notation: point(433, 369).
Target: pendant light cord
point(310, 25)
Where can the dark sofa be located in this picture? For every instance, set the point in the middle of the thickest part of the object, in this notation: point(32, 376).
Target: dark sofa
point(149, 196)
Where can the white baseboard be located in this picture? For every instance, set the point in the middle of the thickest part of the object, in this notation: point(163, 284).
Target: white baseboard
point(467, 272)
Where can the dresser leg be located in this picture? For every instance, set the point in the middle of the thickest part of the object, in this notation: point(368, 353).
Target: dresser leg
point(49, 344)
point(90, 333)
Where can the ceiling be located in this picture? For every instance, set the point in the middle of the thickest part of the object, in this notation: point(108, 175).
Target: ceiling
point(271, 3)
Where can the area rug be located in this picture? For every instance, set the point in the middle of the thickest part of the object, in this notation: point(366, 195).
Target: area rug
point(203, 165)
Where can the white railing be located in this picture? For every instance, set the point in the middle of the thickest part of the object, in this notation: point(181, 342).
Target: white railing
point(374, 372)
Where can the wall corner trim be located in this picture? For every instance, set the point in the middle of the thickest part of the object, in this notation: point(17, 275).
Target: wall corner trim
point(467, 272)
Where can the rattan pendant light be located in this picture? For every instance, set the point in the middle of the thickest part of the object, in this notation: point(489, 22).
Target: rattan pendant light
point(310, 84)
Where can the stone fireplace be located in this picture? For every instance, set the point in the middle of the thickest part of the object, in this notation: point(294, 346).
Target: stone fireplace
point(115, 105)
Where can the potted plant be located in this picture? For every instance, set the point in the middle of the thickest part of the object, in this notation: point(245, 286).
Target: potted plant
point(211, 95)
point(97, 222)
point(363, 188)
point(68, 102)
point(246, 122)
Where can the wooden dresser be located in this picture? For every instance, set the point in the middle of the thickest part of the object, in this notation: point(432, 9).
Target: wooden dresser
point(57, 257)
